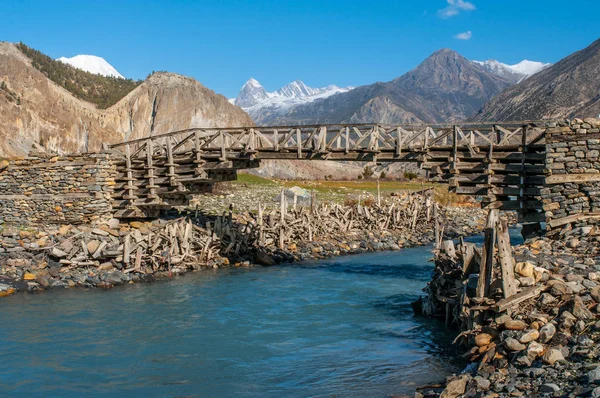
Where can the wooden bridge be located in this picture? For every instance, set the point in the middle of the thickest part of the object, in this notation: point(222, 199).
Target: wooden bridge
point(503, 163)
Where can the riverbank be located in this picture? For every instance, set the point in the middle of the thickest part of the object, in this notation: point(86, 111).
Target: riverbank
point(105, 255)
point(542, 341)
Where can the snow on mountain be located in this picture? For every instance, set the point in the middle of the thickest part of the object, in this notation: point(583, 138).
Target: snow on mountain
point(529, 67)
point(92, 64)
point(514, 73)
point(255, 100)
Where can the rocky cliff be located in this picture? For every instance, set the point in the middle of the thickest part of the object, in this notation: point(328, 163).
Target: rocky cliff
point(38, 113)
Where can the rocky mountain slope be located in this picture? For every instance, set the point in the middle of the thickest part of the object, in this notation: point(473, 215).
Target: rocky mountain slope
point(264, 107)
point(36, 112)
point(569, 88)
point(443, 88)
point(92, 64)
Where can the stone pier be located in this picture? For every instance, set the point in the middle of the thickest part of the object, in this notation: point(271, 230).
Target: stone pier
point(62, 189)
point(571, 193)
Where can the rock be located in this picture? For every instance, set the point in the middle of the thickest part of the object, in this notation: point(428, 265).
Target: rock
point(527, 281)
point(43, 280)
point(573, 243)
point(579, 309)
point(456, 387)
point(92, 246)
point(56, 252)
point(529, 336)
point(593, 376)
point(136, 224)
point(64, 229)
point(547, 332)
point(596, 392)
point(525, 269)
point(546, 299)
point(595, 293)
point(549, 388)
point(574, 278)
point(4, 164)
point(481, 383)
point(113, 223)
point(552, 355)
point(263, 258)
point(558, 288)
point(515, 325)
point(575, 287)
point(534, 350)
point(28, 276)
point(514, 345)
point(483, 339)
point(54, 272)
point(100, 232)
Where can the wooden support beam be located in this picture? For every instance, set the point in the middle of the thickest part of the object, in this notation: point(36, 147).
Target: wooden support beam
point(507, 261)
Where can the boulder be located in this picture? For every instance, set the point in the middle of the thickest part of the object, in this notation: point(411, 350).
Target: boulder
point(547, 332)
point(525, 269)
point(553, 355)
point(483, 339)
point(514, 345)
point(529, 336)
point(456, 387)
point(515, 325)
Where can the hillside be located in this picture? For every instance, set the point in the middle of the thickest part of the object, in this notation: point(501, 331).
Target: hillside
point(48, 115)
point(569, 88)
point(445, 87)
point(103, 91)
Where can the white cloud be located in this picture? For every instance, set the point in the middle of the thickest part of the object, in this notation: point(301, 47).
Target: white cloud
point(454, 7)
point(464, 35)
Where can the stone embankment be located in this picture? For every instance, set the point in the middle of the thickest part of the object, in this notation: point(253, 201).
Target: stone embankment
point(541, 341)
point(108, 254)
point(571, 193)
point(62, 189)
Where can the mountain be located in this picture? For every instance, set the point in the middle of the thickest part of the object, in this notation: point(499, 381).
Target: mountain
point(92, 64)
point(514, 73)
point(264, 107)
point(445, 87)
point(569, 88)
point(39, 113)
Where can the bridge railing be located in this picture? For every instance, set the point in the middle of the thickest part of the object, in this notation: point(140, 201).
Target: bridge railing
point(330, 141)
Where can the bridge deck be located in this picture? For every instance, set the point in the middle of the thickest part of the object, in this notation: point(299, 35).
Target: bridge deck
point(496, 161)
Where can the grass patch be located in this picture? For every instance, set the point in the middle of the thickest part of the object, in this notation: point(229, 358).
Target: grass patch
point(251, 179)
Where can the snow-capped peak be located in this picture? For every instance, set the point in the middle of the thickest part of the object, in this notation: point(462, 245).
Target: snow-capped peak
point(252, 82)
point(253, 94)
point(514, 73)
point(92, 64)
point(528, 68)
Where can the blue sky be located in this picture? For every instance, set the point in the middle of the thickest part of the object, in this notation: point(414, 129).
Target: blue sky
point(223, 43)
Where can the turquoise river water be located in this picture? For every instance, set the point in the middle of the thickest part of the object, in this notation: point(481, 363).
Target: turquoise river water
point(332, 328)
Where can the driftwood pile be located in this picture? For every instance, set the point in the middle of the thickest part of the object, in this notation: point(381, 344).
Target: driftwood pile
point(529, 330)
point(284, 226)
point(144, 248)
point(191, 241)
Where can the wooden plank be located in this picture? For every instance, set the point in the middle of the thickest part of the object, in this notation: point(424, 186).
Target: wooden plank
point(573, 218)
point(518, 298)
point(507, 262)
point(572, 178)
point(487, 255)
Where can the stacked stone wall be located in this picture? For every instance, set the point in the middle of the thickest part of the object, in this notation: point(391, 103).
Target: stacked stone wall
point(67, 189)
point(571, 195)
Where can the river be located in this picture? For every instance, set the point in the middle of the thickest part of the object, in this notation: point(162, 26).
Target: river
point(338, 327)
